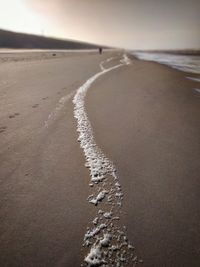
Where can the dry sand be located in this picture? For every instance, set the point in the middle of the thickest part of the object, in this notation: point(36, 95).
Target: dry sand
point(145, 118)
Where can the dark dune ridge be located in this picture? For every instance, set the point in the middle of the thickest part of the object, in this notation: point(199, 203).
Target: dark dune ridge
point(10, 39)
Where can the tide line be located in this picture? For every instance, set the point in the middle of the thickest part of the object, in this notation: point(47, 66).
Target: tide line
point(105, 240)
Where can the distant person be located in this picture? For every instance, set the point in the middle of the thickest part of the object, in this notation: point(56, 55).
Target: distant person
point(100, 50)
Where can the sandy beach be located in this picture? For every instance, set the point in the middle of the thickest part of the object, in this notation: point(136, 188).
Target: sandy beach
point(145, 119)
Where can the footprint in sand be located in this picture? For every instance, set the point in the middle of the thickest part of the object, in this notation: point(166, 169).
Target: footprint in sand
point(14, 115)
point(2, 129)
point(11, 116)
point(44, 98)
point(35, 106)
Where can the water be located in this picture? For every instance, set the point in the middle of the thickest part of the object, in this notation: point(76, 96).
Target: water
point(185, 63)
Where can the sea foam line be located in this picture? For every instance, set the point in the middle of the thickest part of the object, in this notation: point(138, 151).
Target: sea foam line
point(105, 240)
point(197, 90)
point(105, 61)
point(60, 105)
point(96, 161)
point(194, 79)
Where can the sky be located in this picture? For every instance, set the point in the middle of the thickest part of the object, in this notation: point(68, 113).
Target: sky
point(130, 24)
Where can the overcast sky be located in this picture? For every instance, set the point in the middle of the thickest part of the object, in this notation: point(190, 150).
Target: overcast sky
point(133, 24)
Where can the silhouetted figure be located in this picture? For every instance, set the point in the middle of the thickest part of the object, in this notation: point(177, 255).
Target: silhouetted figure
point(100, 50)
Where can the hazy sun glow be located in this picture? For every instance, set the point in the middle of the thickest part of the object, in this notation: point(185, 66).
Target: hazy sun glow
point(132, 24)
point(16, 16)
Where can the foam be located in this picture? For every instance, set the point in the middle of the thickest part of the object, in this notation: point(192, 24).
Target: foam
point(108, 215)
point(105, 242)
point(105, 61)
point(95, 221)
point(197, 90)
point(94, 258)
point(95, 231)
point(194, 79)
point(96, 161)
point(99, 197)
point(58, 108)
point(105, 186)
point(126, 60)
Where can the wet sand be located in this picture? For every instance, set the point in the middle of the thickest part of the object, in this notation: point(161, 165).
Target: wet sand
point(145, 118)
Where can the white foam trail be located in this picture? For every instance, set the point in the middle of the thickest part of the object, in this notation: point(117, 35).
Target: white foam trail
point(106, 243)
point(99, 197)
point(194, 79)
point(125, 60)
point(98, 164)
point(60, 106)
point(105, 61)
point(197, 90)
